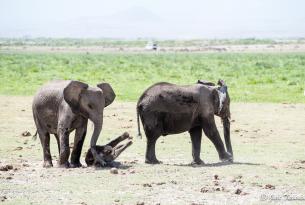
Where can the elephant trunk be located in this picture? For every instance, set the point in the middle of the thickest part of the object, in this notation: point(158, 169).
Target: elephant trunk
point(96, 132)
point(226, 131)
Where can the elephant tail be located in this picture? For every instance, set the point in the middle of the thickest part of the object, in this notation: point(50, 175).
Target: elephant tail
point(138, 120)
point(34, 136)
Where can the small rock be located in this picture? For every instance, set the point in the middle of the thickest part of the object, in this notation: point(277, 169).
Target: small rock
point(160, 183)
point(18, 148)
point(140, 203)
point(3, 168)
point(9, 166)
point(6, 167)
point(9, 178)
point(217, 189)
point(238, 191)
point(269, 186)
point(114, 170)
point(216, 177)
point(173, 182)
point(147, 185)
point(3, 198)
point(204, 190)
point(26, 134)
point(116, 200)
point(132, 171)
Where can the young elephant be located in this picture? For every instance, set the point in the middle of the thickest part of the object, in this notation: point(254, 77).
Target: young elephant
point(166, 108)
point(110, 151)
point(59, 107)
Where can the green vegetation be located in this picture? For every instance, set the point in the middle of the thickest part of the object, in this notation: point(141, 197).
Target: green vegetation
point(250, 77)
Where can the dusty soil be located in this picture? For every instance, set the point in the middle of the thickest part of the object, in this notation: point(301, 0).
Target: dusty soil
point(258, 48)
point(268, 142)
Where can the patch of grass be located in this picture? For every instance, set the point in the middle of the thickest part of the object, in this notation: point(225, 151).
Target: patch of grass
point(250, 77)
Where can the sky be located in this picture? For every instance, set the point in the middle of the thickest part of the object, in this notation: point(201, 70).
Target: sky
point(161, 19)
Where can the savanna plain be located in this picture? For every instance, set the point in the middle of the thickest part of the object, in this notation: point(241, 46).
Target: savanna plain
point(267, 130)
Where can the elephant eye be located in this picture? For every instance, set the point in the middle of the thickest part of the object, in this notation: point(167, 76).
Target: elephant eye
point(90, 106)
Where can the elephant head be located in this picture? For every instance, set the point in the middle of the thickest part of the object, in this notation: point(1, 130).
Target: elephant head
point(221, 104)
point(89, 102)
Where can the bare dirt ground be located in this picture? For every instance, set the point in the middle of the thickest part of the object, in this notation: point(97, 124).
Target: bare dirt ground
point(269, 165)
point(258, 48)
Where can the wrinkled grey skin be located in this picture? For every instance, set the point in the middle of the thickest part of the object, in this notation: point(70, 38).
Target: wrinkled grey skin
point(166, 108)
point(110, 151)
point(60, 107)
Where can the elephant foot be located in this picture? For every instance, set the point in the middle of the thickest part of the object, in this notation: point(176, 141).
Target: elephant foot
point(152, 161)
point(76, 165)
point(197, 162)
point(226, 157)
point(64, 165)
point(47, 164)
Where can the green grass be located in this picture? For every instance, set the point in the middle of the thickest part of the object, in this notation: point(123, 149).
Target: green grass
point(250, 77)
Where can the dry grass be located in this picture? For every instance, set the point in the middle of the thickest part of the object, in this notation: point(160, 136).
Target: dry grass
point(268, 140)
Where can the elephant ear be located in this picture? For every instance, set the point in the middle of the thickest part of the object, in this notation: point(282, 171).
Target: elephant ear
point(72, 94)
point(205, 82)
point(221, 83)
point(108, 93)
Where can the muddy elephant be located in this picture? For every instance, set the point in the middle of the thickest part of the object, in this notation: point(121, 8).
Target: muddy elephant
point(110, 151)
point(166, 108)
point(60, 107)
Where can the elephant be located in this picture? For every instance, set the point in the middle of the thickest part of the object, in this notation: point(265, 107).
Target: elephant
point(166, 108)
point(110, 151)
point(61, 106)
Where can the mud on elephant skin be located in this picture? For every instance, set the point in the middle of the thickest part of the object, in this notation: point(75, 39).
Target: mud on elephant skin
point(166, 108)
point(109, 152)
point(59, 107)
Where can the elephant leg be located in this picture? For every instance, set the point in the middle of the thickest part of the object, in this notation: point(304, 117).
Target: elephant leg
point(119, 139)
point(64, 148)
point(210, 130)
point(58, 143)
point(45, 142)
point(151, 148)
point(80, 135)
point(196, 134)
point(120, 148)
